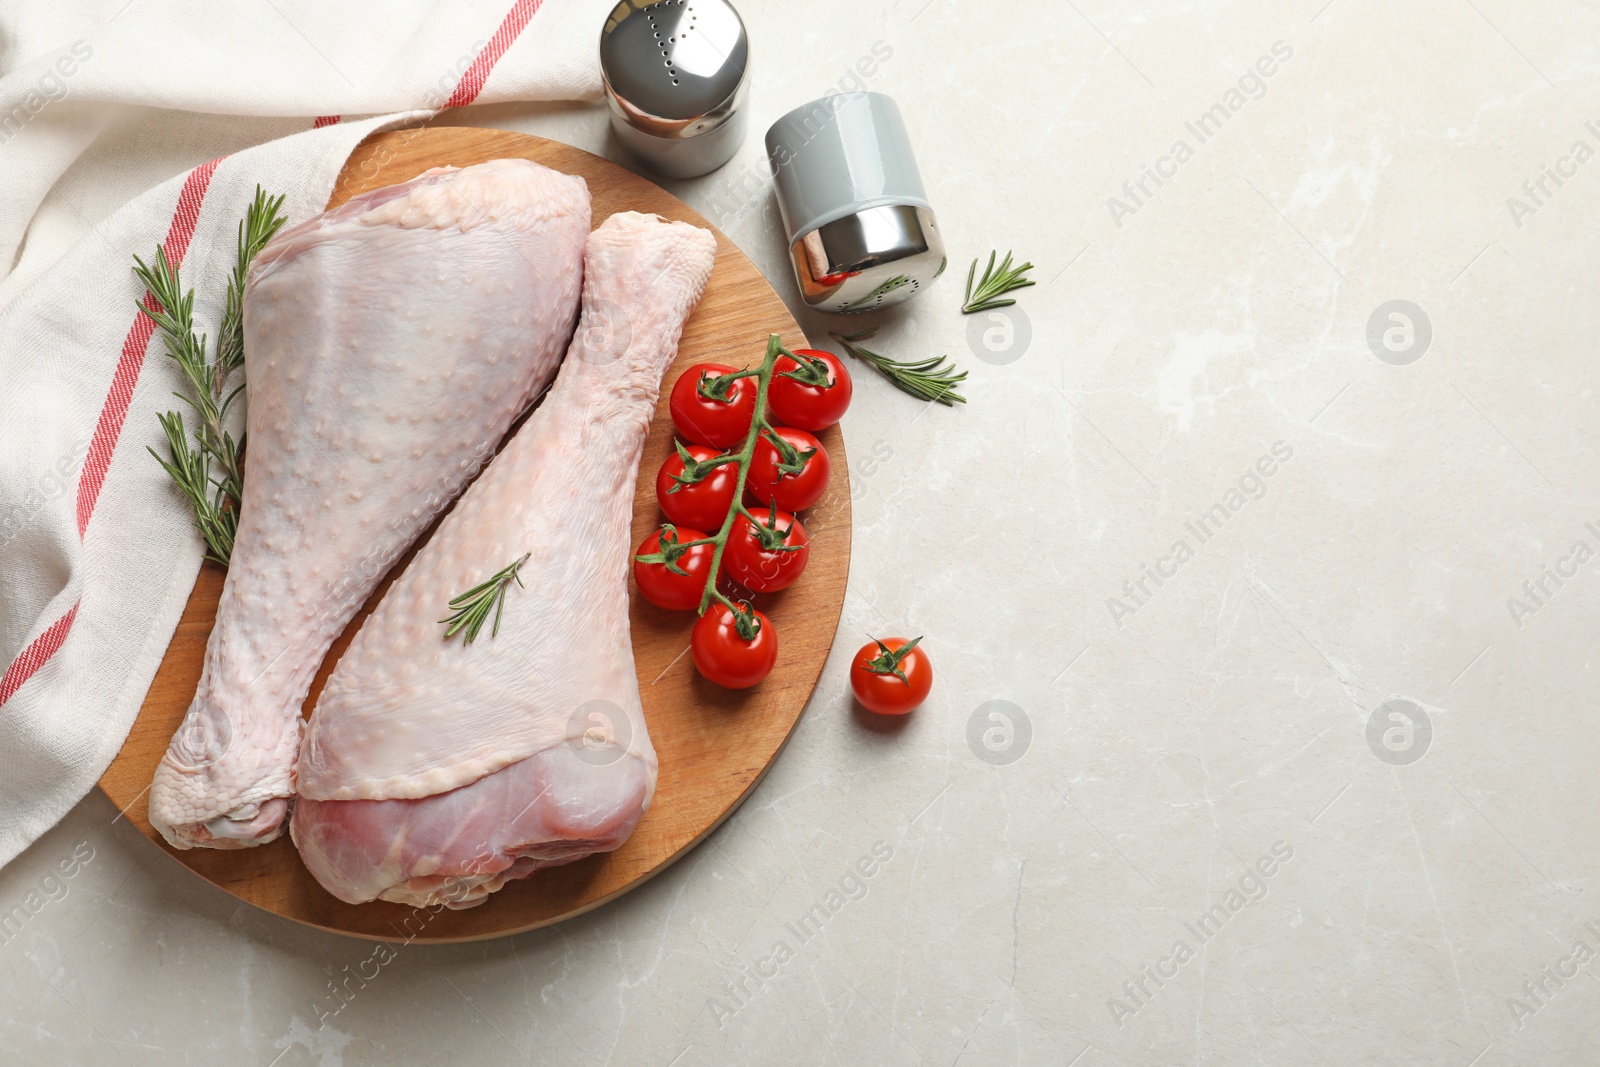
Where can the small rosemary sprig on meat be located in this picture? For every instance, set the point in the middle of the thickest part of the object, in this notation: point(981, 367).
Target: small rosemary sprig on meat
point(994, 284)
point(471, 609)
point(928, 379)
point(213, 499)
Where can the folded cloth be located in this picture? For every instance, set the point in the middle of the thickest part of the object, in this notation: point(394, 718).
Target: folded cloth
point(128, 124)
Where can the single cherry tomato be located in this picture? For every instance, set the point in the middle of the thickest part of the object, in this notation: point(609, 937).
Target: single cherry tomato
point(671, 576)
point(793, 470)
point(768, 554)
point(891, 676)
point(708, 420)
point(734, 650)
point(703, 504)
point(811, 393)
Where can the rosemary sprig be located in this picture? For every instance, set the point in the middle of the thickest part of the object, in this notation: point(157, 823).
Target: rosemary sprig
point(190, 469)
point(213, 499)
point(928, 379)
point(994, 284)
point(471, 609)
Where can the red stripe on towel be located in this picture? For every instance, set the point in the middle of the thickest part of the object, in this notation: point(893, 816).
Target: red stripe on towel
point(477, 74)
point(34, 656)
point(112, 415)
point(115, 409)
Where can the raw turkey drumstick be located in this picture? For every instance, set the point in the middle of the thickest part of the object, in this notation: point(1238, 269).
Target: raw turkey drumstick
point(435, 770)
point(389, 345)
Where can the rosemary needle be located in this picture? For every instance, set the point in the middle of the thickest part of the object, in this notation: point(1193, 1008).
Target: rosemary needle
point(928, 379)
point(471, 609)
point(994, 284)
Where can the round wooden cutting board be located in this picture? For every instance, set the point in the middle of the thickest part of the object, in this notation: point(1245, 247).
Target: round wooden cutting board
point(714, 744)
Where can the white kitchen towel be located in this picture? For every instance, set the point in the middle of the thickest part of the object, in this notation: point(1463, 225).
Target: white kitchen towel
point(127, 124)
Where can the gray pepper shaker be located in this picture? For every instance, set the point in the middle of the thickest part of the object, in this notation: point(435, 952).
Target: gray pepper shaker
point(677, 73)
point(861, 232)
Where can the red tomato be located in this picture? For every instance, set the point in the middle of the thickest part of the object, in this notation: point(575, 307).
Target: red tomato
point(703, 504)
point(892, 676)
point(725, 656)
point(706, 420)
point(796, 396)
point(657, 564)
point(767, 557)
point(772, 476)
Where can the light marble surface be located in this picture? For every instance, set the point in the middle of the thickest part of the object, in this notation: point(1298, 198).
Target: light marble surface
point(1178, 740)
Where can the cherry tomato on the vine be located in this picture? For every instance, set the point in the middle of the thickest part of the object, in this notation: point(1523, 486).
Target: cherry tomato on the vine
point(708, 420)
point(766, 554)
point(703, 504)
point(891, 676)
point(726, 656)
point(794, 471)
point(661, 557)
point(798, 399)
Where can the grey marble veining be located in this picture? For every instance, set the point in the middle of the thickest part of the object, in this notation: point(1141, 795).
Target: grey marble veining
point(1313, 788)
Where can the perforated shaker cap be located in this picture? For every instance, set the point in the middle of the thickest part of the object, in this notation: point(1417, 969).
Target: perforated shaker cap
point(675, 59)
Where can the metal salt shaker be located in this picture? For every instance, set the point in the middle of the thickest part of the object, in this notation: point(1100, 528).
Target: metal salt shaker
point(677, 73)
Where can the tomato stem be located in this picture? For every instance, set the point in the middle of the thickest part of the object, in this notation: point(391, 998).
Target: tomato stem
point(810, 371)
point(887, 662)
point(716, 387)
point(695, 471)
point(758, 422)
point(670, 550)
point(791, 460)
point(745, 622)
